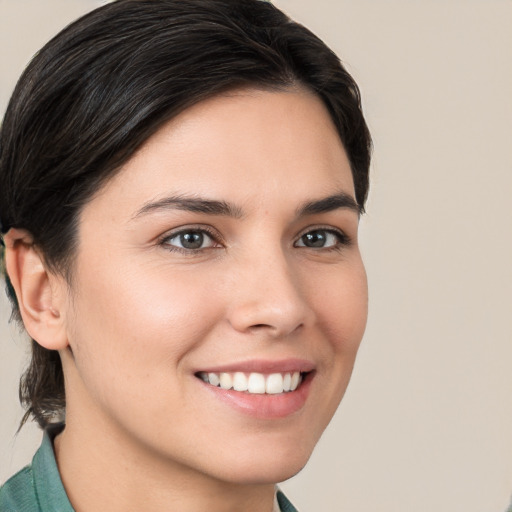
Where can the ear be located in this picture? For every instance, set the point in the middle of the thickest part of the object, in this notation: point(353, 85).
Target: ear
point(39, 293)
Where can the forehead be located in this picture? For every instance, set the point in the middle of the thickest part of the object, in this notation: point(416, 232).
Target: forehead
point(248, 145)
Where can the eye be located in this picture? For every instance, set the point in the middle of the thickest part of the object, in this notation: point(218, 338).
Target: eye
point(189, 240)
point(322, 239)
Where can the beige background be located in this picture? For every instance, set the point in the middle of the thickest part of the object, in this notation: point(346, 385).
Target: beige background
point(427, 421)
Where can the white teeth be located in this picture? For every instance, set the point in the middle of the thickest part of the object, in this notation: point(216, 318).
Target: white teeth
point(256, 383)
point(240, 382)
point(213, 379)
point(295, 381)
point(274, 384)
point(226, 382)
point(287, 382)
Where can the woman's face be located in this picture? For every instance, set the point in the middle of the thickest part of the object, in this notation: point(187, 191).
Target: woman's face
point(225, 249)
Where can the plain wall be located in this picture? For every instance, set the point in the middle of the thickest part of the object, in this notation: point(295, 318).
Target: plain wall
point(426, 424)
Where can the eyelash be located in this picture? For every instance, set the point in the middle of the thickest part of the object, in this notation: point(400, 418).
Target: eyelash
point(343, 240)
point(216, 239)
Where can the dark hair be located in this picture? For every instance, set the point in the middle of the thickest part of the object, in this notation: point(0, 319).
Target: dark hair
point(107, 82)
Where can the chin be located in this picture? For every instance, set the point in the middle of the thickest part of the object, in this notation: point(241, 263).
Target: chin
point(266, 468)
point(278, 474)
point(270, 474)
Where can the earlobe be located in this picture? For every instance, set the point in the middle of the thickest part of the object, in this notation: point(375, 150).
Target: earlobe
point(36, 297)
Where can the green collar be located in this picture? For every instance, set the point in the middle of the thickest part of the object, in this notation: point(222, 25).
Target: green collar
point(49, 490)
point(284, 504)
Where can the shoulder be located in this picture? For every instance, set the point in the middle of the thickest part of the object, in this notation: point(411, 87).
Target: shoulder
point(18, 494)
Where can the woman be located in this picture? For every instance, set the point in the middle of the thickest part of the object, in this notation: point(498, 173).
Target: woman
point(181, 187)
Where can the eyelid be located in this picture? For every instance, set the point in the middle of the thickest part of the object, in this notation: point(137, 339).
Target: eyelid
point(208, 230)
point(343, 238)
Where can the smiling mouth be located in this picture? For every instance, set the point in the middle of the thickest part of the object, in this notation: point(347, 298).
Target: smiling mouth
point(254, 383)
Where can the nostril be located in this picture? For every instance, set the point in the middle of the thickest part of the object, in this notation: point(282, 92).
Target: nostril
point(274, 331)
point(277, 316)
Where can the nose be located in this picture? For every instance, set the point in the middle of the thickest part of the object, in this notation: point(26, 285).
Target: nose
point(267, 297)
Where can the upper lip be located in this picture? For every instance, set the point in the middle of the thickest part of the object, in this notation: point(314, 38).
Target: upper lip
point(263, 366)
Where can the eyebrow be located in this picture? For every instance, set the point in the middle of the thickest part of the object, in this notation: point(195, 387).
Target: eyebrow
point(191, 204)
point(341, 200)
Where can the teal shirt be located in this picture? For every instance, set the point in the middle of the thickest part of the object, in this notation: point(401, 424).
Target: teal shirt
point(284, 504)
point(38, 487)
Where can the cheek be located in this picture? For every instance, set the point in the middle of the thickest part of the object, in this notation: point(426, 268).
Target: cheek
point(140, 322)
point(340, 304)
point(342, 309)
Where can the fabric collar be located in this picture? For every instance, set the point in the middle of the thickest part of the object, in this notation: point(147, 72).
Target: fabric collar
point(50, 492)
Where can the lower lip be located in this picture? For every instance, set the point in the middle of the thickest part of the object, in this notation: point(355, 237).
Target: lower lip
point(264, 406)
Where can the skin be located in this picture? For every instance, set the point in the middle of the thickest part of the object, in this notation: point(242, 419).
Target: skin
point(141, 316)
